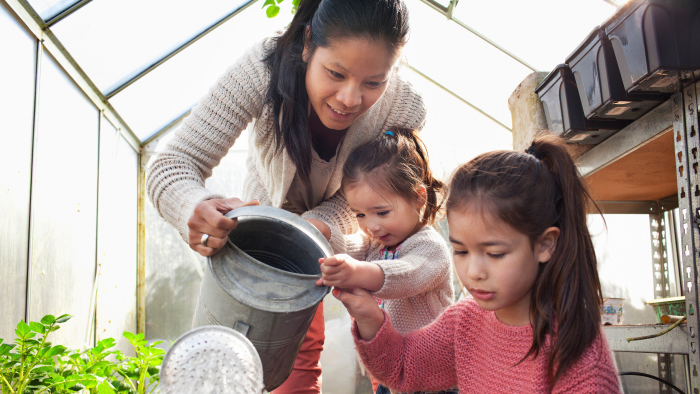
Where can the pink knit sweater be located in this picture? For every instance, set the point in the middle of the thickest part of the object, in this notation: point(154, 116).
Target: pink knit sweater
point(470, 348)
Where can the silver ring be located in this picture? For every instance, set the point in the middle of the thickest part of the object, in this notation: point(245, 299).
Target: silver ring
point(205, 238)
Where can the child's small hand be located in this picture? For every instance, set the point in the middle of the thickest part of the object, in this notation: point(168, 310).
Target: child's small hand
point(363, 307)
point(339, 271)
point(345, 272)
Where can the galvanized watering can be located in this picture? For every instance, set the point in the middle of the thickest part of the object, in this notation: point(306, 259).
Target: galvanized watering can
point(263, 285)
point(211, 360)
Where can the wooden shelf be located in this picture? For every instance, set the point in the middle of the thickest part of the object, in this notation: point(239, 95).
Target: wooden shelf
point(647, 173)
point(637, 163)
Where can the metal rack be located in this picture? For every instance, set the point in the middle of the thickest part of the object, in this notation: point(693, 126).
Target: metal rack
point(680, 115)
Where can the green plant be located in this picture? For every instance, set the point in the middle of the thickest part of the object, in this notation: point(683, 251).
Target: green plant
point(143, 369)
point(33, 366)
point(273, 8)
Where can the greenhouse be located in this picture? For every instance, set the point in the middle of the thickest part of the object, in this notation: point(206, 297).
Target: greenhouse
point(94, 92)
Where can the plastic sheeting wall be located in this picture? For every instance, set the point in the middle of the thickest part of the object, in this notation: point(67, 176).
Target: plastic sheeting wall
point(117, 238)
point(64, 204)
point(625, 266)
point(17, 112)
point(50, 157)
point(173, 270)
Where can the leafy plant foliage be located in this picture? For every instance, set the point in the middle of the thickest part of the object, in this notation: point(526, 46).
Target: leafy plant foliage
point(273, 8)
point(32, 365)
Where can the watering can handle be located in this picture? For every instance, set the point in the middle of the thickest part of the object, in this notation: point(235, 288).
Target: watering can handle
point(286, 217)
point(242, 328)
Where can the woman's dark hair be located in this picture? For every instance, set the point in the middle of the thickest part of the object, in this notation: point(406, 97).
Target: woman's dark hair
point(532, 192)
point(385, 20)
point(396, 162)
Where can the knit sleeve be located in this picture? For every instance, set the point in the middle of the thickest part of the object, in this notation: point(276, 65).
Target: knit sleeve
point(175, 183)
point(336, 213)
point(593, 373)
point(424, 264)
point(422, 360)
point(407, 107)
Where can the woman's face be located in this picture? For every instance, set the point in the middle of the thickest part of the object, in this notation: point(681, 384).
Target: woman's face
point(344, 79)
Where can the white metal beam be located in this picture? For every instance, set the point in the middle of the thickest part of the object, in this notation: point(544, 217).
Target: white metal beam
point(458, 97)
point(39, 28)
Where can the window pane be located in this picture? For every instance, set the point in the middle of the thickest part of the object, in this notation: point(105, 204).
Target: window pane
point(17, 111)
point(64, 210)
point(47, 9)
point(454, 132)
point(541, 32)
point(173, 88)
point(117, 237)
point(462, 62)
point(625, 263)
point(113, 40)
point(173, 270)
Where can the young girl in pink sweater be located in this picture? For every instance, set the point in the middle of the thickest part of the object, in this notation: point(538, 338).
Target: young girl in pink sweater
point(522, 248)
point(398, 256)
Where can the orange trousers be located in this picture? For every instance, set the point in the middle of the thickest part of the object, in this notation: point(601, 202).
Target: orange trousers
point(306, 375)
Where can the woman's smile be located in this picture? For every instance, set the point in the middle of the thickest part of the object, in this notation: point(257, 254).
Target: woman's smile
point(346, 78)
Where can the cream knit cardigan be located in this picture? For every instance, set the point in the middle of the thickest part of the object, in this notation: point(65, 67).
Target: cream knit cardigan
point(175, 183)
point(418, 285)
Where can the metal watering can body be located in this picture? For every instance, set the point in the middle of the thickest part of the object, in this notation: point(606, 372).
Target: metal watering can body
point(263, 285)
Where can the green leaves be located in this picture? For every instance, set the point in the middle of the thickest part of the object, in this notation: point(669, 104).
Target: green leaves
point(63, 318)
point(273, 9)
point(33, 365)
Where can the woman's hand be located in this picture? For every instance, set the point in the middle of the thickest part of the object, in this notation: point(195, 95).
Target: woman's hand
point(208, 218)
point(345, 272)
point(363, 307)
point(322, 227)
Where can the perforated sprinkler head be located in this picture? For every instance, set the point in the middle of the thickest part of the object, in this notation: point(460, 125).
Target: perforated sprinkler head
point(212, 360)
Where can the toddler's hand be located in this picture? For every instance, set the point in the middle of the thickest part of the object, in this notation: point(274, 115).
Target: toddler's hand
point(363, 307)
point(339, 271)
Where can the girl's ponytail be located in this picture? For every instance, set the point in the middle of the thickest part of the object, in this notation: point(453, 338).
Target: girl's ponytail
point(532, 191)
point(568, 287)
point(433, 186)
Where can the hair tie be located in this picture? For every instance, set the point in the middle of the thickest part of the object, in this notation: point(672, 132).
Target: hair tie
point(389, 132)
point(531, 150)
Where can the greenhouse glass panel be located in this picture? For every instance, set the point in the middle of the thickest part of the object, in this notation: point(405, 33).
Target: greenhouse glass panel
point(173, 88)
point(117, 237)
point(454, 132)
point(64, 206)
point(47, 9)
point(462, 62)
point(17, 112)
point(113, 40)
point(624, 253)
point(541, 32)
point(173, 270)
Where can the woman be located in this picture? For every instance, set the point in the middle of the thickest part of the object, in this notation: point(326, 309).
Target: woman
point(323, 87)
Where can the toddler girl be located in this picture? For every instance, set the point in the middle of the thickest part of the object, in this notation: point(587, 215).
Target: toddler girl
point(522, 248)
point(397, 256)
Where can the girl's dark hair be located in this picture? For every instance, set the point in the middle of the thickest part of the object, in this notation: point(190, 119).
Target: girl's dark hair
point(385, 20)
point(397, 163)
point(532, 192)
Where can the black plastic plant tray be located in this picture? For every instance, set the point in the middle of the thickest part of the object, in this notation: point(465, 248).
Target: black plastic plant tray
point(656, 43)
point(599, 82)
point(564, 112)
